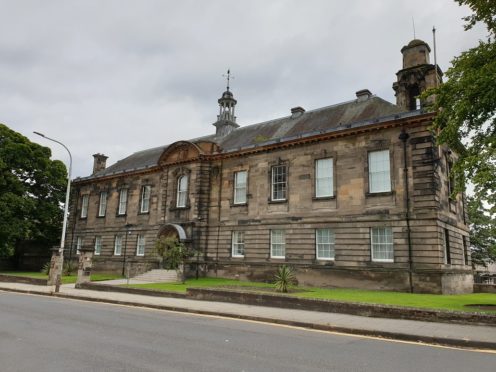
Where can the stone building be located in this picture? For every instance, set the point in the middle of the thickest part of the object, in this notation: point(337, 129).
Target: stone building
point(355, 194)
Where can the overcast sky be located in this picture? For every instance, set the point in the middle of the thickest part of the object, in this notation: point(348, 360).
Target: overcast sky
point(120, 76)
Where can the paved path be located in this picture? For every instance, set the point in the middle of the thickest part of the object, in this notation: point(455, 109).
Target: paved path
point(442, 333)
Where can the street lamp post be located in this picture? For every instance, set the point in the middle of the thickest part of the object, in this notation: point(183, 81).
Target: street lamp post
point(128, 232)
point(66, 209)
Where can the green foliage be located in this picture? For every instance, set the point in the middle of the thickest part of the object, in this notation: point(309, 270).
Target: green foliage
point(285, 278)
point(484, 11)
point(466, 108)
point(69, 268)
point(46, 268)
point(482, 233)
point(32, 188)
point(173, 252)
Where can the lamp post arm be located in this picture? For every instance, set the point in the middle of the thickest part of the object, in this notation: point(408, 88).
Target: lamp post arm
point(67, 194)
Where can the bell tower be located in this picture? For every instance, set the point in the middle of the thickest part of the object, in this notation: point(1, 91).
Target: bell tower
point(226, 120)
point(416, 76)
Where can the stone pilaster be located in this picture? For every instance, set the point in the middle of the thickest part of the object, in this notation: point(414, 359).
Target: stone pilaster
point(85, 265)
point(54, 275)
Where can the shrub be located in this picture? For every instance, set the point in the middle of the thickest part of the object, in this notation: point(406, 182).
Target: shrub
point(173, 253)
point(285, 277)
point(69, 267)
point(45, 269)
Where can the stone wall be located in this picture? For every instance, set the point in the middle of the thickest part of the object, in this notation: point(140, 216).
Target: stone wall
point(484, 288)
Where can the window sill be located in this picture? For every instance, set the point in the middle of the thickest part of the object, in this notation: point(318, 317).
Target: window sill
point(278, 201)
point(383, 193)
point(323, 198)
point(143, 213)
point(121, 215)
point(238, 257)
point(277, 257)
point(100, 216)
point(233, 205)
point(179, 208)
point(382, 261)
point(83, 218)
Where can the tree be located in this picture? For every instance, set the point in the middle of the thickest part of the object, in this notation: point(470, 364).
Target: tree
point(466, 107)
point(32, 189)
point(482, 233)
point(174, 254)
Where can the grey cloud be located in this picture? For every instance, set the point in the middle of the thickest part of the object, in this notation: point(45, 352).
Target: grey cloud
point(120, 76)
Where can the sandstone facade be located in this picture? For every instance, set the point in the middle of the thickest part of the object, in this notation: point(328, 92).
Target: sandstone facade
point(410, 232)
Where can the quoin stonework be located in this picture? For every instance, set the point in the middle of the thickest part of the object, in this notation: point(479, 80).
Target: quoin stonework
point(356, 194)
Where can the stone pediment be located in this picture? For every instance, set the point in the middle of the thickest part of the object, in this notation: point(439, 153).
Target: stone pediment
point(185, 151)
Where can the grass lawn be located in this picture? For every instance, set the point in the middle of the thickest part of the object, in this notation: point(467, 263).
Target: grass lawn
point(428, 301)
point(66, 279)
point(201, 283)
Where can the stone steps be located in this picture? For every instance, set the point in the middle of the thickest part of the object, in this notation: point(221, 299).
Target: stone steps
point(158, 276)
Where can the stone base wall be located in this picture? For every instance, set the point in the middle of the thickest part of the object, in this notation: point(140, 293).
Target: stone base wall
point(436, 282)
point(442, 282)
point(457, 283)
point(132, 266)
point(485, 288)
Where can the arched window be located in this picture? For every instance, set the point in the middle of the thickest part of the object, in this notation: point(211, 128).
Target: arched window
point(413, 97)
point(182, 191)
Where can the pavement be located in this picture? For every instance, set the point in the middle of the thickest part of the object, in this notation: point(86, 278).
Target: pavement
point(456, 335)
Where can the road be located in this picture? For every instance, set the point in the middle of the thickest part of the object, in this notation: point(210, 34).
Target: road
point(50, 334)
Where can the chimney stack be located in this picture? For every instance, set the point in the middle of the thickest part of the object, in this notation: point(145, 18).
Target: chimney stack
point(297, 111)
point(99, 162)
point(363, 95)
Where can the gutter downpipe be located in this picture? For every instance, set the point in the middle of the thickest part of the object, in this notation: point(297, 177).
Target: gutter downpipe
point(219, 205)
point(404, 138)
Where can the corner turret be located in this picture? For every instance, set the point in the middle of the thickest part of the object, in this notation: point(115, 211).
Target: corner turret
point(416, 76)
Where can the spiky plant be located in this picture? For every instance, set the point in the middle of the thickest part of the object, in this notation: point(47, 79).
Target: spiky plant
point(285, 277)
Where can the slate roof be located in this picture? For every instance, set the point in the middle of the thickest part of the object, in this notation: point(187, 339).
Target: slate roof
point(139, 160)
point(342, 116)
point(312, 122)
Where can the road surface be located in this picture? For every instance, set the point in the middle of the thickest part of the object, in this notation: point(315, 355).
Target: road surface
point(51, 334)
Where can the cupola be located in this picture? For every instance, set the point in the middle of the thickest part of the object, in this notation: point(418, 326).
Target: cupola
point(226, 120)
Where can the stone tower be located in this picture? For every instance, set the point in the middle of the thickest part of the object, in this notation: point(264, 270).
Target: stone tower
point(417, 75)
point(226, 120)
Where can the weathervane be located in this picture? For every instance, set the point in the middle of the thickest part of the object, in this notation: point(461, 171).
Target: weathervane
point(228, 77)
